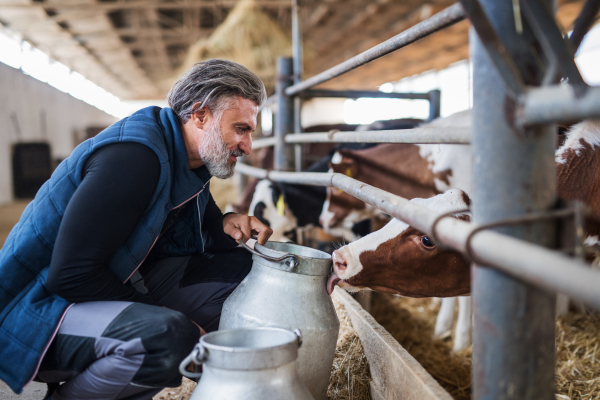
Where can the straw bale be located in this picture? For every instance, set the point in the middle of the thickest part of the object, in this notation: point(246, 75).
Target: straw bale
point(247, 36)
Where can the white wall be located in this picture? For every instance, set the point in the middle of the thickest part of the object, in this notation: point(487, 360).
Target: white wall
point(321, 111)
point(28, 99)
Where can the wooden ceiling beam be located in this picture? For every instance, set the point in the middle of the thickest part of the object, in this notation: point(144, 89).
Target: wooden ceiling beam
point(143, 4)
point(133, 32)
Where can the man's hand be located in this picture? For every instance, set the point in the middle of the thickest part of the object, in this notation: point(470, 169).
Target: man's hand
point(236, 224)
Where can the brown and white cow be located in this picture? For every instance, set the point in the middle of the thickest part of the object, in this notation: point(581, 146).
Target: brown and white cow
point(578, 171)
point(410, 171)
point(401, 260)
point(406, 170)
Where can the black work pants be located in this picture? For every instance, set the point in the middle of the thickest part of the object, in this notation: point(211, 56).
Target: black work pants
point(121, 350)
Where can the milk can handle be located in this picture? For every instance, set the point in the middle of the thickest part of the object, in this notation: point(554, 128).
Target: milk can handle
point(293, 263)
point(298, 334)
point(197, 356)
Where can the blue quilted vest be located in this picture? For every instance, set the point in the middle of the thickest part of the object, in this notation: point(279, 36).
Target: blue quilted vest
point(29, 314)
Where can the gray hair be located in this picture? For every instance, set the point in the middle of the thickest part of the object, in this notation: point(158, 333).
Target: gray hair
point(212, 83)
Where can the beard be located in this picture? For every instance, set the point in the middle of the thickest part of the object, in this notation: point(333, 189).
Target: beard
point(214, 153)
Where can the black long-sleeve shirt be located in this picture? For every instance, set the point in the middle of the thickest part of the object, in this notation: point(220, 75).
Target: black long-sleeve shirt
point(118, 183)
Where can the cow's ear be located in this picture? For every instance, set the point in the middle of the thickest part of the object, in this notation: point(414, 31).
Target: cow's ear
point(351, 168)
point(346, 153)
point(275, 192)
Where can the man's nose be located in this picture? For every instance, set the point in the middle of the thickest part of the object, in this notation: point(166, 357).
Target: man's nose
point(246, 145)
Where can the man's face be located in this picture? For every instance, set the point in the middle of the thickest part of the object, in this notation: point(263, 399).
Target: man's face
point(224, 140)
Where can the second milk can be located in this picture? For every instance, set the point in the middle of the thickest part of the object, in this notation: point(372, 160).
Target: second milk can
point(247, 364)
point(286, 288)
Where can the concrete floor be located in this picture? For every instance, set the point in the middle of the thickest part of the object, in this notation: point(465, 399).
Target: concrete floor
point(33, 391)
point(9, 215)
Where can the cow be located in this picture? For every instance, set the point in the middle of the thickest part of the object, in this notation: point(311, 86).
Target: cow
point(406, 170)
point(578, 177)
point(420, 268)
point(409, 171)
point(399, 259)
point(285, 207)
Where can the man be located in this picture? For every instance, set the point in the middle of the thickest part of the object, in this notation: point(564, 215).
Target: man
point(123, 259)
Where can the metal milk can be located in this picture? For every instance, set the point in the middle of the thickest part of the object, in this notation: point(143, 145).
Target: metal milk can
point(247, 364)
point(286, 288)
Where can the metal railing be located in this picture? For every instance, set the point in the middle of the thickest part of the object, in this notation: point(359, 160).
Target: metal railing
point(513, 152)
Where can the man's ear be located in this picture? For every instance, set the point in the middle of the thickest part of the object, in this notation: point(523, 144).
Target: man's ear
point(201, 116)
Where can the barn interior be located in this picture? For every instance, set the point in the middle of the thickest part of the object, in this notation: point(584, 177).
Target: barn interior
point(71, 68)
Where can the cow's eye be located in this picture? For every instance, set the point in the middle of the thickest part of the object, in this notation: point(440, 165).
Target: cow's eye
point(427, 242)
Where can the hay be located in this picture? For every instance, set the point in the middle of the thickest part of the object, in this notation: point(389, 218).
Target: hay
point(350, 376)
point(411, 322)
point(183, 392)
point(577, 356)
point(247, 36)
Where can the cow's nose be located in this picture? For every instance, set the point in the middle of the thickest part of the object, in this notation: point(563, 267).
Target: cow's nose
point(339, 263)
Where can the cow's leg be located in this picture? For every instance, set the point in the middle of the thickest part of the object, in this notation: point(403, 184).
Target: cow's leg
point(435, 302)
point(464, 325)
point(562, 304)
point(445, 317)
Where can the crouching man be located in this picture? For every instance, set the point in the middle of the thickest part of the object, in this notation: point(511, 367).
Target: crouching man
point(123, 258)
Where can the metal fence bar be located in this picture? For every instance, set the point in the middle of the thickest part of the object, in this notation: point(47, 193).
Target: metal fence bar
point(284, 118)
point(270, 100)
point(264, 142)
point(441, 20)
point(355, 94)
point(415, 135)
point(435, 104)
point(513, 174)
point(539, 266)
point(557, 103)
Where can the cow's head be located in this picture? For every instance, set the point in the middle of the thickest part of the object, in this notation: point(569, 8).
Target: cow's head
point(269, 206)
point(401, 260)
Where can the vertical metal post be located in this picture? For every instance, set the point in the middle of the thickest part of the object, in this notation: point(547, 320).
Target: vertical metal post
point(284, 119)
point(297, 60)
point(435, 104)
point(513, 174)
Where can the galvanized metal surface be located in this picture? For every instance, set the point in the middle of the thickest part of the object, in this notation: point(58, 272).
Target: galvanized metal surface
point(560, 50)
point(514, 173)
point(284, 118)
point(441, 20)
point(264, 142)
point(435, 104)
point(544, 268)
point(250, 364)
point(415, 135)
point(508, 72)
point(297, 55)
point(395, 374)
point(583, 23)
point(273, 296)
point(558, 103)
point(355, 94)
